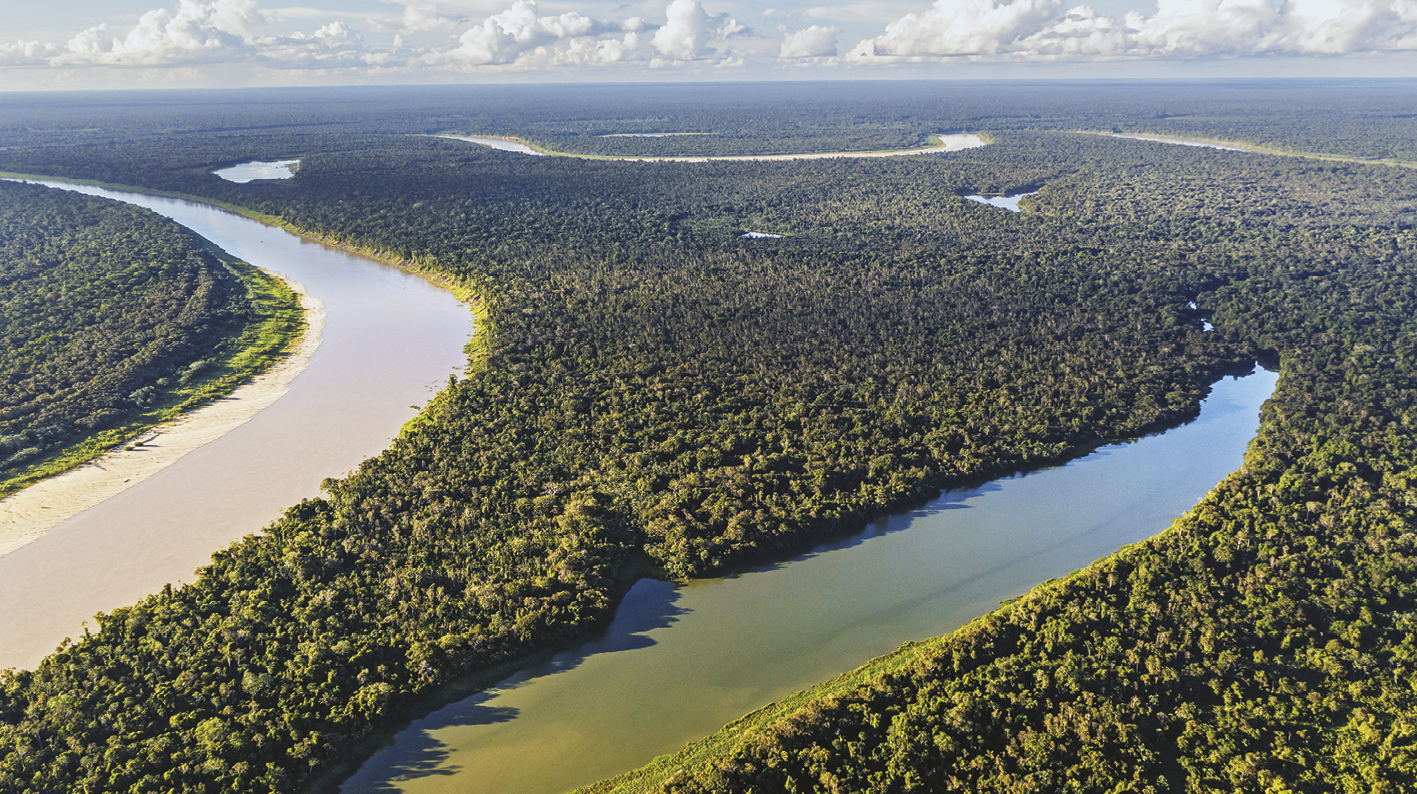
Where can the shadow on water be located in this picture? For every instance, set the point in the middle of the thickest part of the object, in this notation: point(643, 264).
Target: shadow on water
point(415, 753)
point(845, 607)
point(420, 755)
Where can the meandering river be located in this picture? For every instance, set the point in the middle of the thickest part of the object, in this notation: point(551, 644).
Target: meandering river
point(940, 143)
point(1180, 142)
point(390, 340)
point(677, 663)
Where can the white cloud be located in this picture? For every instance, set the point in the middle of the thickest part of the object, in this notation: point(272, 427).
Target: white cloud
point(418, 17)
point(965, 27)
point(1046, 30)
point(520, 37)
point(1080, 34)
point(332, 45)
point(503, 38)
point(517, 35)
point(27, 53)
point(220, 31)
point(195, 32)
point(813, 42)
point(1309, 27)
point(688, 30)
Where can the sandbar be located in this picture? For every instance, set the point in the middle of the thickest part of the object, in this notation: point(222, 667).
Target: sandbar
point(26, 515)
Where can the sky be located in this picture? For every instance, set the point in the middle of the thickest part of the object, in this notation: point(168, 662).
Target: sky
point(88, 44)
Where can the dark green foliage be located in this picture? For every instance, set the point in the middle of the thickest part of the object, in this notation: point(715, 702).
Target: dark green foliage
point(655, 384)
point(103, 307)
point(1263, 644)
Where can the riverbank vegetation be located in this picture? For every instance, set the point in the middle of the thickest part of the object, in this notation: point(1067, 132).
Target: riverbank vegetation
point(655, 386)
point(1262, 644)
point(113, 320)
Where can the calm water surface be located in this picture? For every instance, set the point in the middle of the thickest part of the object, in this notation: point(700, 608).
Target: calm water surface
point(246, 172)
point(390, 340)
point(678, 663)
point(1179, 142)
point(1009, 203)
point(496, 143)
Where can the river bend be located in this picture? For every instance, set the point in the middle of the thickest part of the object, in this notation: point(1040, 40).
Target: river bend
point(678, 663)
point(390, 340)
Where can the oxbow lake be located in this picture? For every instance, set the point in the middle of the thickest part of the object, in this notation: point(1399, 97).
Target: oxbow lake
point(679, 662)
point(249, 172)
point(1009, 203)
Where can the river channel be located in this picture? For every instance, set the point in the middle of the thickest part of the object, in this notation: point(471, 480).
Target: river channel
point(940, 143)
point(679, 662)
point(390, 340)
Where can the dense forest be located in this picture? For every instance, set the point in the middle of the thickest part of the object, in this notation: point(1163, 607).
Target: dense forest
point(1263, 643)
point(111, 319)
point(653, 391)
point(174, 139)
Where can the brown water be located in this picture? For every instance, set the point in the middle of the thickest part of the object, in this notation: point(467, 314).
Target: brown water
point(677, 663)
point(390, 340)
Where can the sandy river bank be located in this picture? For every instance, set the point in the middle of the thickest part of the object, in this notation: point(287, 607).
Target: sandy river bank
point(27, 515)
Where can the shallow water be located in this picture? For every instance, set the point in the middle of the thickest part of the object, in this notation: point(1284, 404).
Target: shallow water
point(678, 663)
point(246, 172)
point(391, 339)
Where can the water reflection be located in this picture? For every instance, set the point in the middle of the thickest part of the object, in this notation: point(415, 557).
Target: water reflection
point(248, 172)
point(421, 750)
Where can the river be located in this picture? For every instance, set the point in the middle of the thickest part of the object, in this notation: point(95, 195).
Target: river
point(679, 662)
point(1180, 142)
point(390, 340)
point(940, 143)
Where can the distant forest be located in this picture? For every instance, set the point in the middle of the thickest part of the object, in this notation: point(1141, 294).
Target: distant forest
point(652, 391)
point(111, 319)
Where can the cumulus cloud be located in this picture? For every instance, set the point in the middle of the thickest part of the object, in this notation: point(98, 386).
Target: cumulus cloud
point(813, 42)
point(966, 27)
point(502, 38)
point(689, 28)
point(220, 31)
point(27, 53)
point(520, 35)
point(420, 17)
point(194, 32)
point(1046, 29)
point(335, 44)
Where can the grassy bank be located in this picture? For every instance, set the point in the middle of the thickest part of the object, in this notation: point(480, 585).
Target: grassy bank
point(278, 322)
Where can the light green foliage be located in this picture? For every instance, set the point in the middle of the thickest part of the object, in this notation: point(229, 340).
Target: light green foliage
point(111, 320)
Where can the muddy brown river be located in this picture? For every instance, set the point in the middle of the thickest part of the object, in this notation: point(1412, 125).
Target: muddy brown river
point(391, 339)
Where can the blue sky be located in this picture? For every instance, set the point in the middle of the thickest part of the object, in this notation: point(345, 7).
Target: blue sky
point(191, 43)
